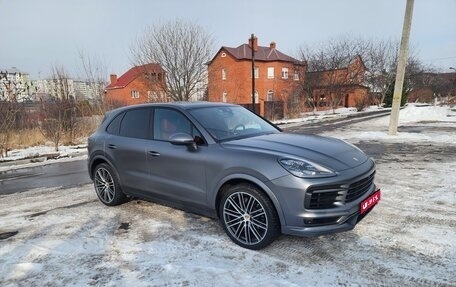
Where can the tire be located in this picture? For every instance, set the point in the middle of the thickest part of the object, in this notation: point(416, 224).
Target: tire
point(248, 217)
point(107, 186)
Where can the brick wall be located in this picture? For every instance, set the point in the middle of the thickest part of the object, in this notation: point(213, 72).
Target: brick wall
point(238, 82)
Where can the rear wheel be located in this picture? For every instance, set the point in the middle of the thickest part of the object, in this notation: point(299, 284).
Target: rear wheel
point(248, 217)
point(107, 186)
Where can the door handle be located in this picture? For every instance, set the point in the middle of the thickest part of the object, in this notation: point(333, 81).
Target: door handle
point(154, 153)
point(112, 146)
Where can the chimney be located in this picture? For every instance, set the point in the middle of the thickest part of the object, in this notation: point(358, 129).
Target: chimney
point(255, 43)
point(272, 45)
point(113, 78)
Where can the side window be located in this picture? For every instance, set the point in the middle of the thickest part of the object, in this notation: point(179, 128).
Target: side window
point(135, 124)
point(114, 127)
point(168, 122)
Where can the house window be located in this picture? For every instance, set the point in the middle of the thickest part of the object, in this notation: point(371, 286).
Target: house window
point(296, 75)
point(284, 73)
point(256, 97)
point(270, 72)
point(153, 76)
point(159, 76)
point(295, 99)
point(223, 74)
point(135, 94)
point(224, 97)
point(257, 72)
point(270, 96)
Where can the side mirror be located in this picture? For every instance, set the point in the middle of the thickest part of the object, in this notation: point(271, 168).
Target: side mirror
point(183, 139)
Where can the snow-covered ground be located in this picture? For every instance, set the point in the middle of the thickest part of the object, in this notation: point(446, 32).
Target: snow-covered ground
point(412, 120)
point(41, 155)
point(67, 238)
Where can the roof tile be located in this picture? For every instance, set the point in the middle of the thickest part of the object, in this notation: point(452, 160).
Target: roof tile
point(267, 54)
point(133, 73)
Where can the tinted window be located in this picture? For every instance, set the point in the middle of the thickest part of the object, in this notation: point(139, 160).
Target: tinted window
point(114, 126)
point(135, 124)
point(168, 122)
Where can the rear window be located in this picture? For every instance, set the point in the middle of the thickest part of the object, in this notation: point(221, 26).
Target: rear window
point(114, 126)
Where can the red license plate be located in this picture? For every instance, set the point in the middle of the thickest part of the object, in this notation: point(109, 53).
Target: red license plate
point(370, 201)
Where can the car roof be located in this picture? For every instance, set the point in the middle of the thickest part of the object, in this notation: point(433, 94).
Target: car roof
point(179, 105)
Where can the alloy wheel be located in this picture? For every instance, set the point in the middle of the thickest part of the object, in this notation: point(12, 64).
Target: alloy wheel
point(104, 185)
point(245, 218)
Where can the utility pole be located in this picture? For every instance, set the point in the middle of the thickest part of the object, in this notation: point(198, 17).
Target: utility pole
point(252, 39)
point(401, 64)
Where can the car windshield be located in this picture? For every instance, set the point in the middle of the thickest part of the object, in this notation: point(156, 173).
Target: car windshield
point(231, 122)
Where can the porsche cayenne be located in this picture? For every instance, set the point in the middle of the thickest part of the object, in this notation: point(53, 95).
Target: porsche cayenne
point(223, 161)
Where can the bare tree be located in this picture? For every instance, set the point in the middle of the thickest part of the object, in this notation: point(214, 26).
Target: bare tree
point(430, 84)
point(51, 125)
point(10, 109)
point(94, 70)
point(332, 73)
point(60, 113)
point(8, 115)
point(380, 59)
point(62, 84)
point(335, 67)
point(182, 49)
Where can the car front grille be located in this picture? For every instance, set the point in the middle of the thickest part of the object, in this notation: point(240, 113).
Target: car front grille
point(357, 189)
point(330, 196)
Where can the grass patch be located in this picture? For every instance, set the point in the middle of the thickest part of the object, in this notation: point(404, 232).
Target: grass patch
point(26, 138)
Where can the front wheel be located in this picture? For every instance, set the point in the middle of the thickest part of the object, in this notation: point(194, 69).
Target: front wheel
point(248, 217)
point(107, 186)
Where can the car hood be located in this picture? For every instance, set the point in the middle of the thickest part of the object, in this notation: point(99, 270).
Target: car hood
point(329, 152)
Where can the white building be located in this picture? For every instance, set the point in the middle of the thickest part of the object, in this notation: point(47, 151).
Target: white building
point(76, 89)
point(15, 85)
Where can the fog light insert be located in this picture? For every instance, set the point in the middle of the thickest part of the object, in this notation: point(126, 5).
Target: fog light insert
point(321, 221)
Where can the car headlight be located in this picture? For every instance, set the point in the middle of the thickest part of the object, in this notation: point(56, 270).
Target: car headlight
point(302, 168)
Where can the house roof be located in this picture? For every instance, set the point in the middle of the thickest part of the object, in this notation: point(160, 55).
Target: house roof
point(133, 73)
point(265, 54)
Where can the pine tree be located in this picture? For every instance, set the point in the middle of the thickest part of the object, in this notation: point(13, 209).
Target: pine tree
point(389, 94)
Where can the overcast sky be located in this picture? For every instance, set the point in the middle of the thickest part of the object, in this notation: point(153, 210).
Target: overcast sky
point(36, 34)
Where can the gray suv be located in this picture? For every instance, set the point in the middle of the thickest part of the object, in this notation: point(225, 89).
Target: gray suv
point(223, 161)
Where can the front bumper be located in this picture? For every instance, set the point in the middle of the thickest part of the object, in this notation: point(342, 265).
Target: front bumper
point(297, 219)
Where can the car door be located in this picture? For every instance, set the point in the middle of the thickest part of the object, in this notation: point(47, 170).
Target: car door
point(127, 148)
point(176, 171)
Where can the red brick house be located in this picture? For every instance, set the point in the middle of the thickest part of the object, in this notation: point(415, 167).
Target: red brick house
point(339, 87)
point(140, 84)
point(276, 75)
point(428, 86)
